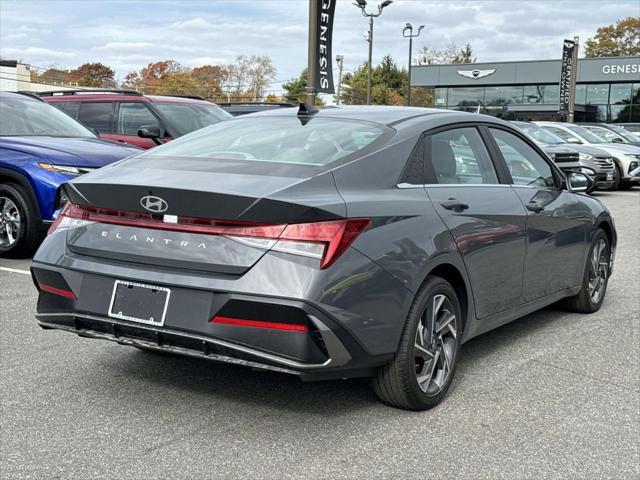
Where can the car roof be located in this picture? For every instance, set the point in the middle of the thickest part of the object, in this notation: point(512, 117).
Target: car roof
point(19, 96)
point(386, 115)
point(111, 94)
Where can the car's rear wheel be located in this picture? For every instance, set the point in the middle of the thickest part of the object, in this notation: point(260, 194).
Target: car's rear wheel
point(596, 277)
point(423, 368)
point(20, 230)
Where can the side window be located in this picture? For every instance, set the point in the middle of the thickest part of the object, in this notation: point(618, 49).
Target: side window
point(526, 165)
point(563, 134)
point(132, 116)
point(459, 156)
point(70, 108)
point(97, 115)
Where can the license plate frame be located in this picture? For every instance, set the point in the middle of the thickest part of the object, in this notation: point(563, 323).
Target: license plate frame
point(122, 303)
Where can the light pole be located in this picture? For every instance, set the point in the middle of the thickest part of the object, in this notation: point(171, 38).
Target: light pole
point(362, 5)
point(340, 61)
point(407, 32)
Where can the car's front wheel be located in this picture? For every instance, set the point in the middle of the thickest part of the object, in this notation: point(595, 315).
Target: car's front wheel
point(423, 368)
point(596, 276)
point(20, 230)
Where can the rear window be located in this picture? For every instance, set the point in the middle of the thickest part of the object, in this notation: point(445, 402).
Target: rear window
point(317, 141)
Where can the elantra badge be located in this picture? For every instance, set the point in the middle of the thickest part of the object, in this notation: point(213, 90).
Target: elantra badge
point(475, 74)
point(154, 204)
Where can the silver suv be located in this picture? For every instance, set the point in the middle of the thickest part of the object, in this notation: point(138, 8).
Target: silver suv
point(596, 163)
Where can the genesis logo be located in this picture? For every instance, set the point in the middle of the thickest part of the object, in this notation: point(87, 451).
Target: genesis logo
point(154, 204)
point(475, 74)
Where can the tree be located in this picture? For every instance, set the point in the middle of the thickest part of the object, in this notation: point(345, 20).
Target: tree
point(450, 54)
point(92, 75)
point(388, 84)
point(295, 89)
point(209, 79)
point(52, 75)
point(621, 39)
point(152, 78)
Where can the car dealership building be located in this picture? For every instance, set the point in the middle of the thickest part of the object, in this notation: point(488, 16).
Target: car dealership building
point(608, 89)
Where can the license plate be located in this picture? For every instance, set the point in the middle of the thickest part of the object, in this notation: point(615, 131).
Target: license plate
point(139, 303)
point(609, 176)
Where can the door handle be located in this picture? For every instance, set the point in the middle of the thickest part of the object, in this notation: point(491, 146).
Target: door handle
point(534, 207)
point(455, 205)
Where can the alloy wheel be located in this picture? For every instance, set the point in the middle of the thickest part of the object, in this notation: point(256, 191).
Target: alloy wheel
point(10, 223)
point(598, 271)
point(435, 345)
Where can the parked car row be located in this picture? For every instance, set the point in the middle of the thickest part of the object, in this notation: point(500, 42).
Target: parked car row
point(625, 155)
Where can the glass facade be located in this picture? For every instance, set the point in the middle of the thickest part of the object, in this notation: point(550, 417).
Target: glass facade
point(603, 102)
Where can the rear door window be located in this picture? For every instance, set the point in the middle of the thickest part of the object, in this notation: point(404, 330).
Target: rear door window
point(132, 116)
point(98, 115)
point(459, 156)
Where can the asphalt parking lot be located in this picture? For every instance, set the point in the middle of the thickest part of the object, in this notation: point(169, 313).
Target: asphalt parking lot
point(551, 395)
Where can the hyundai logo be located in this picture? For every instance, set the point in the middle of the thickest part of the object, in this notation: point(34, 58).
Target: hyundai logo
point(154, 204)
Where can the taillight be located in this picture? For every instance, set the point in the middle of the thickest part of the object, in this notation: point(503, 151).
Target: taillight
point(323, 240)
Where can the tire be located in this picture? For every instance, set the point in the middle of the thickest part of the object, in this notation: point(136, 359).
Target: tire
point(405, 382)
point(586, 301)
point(17, 208)
point(617, 180)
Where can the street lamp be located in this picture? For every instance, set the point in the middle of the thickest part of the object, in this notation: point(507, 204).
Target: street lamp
point(407, 32)
point(362, 5)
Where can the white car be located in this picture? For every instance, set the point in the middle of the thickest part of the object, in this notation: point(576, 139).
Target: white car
point(626, 157)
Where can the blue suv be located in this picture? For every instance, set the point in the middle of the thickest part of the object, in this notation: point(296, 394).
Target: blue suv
point(41, 148)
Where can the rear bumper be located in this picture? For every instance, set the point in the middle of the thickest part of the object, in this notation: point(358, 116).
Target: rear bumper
point(210, 348)
point(329, 347)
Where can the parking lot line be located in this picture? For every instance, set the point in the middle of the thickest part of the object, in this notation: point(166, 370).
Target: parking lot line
point(15, 270)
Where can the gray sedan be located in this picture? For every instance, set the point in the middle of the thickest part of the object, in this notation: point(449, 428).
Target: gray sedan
point(341, 242)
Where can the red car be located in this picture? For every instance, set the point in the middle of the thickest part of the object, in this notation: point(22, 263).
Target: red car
point(130, 117)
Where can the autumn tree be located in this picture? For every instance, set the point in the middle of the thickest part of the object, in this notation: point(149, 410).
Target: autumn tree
point(152, 78)
point(621, 39)
point(92, 75)
point(209, 79)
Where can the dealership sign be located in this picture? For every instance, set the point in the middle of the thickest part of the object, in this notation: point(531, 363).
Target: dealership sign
point(626, 68)
point(567, 76)
point(324, 32)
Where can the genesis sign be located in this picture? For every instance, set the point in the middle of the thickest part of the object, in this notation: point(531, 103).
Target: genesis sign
point(629, 68)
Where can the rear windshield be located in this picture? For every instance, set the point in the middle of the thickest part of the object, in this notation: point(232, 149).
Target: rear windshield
point(188, 117)
point(32, 118)
point(318, 141)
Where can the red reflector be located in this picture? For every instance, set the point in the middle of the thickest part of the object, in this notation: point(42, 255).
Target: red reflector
point(241, 322)
point(58, 291)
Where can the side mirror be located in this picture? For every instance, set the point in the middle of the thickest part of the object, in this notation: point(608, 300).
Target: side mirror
point(578, 181)
point(617, 140)
point(154, 132)
point(573, 140)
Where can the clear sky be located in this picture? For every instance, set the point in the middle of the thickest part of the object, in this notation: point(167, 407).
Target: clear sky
point(127, 35)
